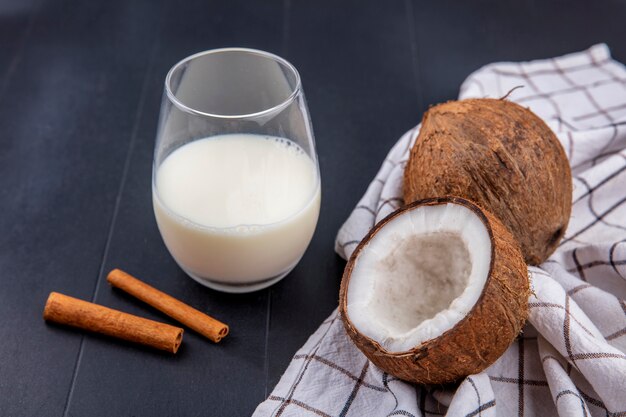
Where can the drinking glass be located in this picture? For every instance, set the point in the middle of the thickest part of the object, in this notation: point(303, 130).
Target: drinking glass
point(235, 179)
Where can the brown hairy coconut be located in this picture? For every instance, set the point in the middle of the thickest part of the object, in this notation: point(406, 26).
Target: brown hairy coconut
point(501, 156)
point(436, 291)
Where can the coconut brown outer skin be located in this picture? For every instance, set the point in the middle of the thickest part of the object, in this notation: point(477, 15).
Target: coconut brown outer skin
point(501, 156)
point(476, 341)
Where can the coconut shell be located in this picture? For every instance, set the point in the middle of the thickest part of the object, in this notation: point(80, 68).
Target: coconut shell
point(476, 341)
point(501, 156)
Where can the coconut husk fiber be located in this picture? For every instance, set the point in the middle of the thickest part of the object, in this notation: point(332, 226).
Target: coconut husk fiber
point(504, 158)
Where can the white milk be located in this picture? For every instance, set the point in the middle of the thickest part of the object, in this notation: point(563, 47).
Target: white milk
point(238, 208)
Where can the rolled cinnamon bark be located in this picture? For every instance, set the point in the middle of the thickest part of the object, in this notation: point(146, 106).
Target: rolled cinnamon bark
point(179, 311)
point(73, 312)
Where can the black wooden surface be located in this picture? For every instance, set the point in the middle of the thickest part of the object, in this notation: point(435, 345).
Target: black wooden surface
point(80, 89)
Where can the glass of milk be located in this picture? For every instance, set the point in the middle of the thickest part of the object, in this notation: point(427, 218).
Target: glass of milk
point(235, 181)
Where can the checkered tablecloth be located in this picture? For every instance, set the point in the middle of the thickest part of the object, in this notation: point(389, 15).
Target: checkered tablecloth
point(570, 359)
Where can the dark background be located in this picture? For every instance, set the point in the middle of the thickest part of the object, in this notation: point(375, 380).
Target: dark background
point(80, 89)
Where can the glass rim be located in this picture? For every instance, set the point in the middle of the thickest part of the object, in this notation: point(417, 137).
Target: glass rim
point(182, 106)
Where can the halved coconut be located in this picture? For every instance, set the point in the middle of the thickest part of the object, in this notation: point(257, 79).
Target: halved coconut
point(436, 291)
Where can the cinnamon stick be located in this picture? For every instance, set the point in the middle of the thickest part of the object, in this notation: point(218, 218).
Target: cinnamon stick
point(179, 311)
point(73, 312)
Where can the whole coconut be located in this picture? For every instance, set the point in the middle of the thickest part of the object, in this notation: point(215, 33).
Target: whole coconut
point(501, 156)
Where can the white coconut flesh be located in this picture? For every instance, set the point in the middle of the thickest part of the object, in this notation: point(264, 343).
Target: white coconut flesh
point(419, 275)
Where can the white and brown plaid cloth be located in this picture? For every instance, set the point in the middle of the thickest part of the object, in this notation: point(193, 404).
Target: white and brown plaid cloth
point(570, 359)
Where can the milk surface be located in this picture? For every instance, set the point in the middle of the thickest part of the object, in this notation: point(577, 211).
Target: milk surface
point(237, 208)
